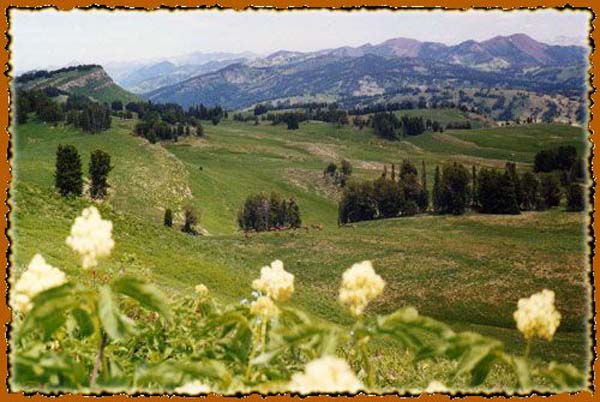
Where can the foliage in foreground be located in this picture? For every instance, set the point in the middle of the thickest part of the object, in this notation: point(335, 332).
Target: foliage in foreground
point(117, 332)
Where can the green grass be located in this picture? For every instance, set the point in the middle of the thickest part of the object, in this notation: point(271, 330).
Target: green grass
point(468, 271)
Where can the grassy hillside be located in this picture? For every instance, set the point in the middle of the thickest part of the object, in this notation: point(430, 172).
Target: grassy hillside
point(468, 271)
point(91, 81)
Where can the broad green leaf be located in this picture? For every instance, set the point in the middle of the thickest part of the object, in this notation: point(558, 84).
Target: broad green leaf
point(114, 323)
point(84, 322)
point(49, 310)
point(148, 295)
point(564, 376)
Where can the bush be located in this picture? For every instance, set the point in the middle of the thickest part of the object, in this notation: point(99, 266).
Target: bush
point(68, 177)
point(99, 169)
point(190, 220)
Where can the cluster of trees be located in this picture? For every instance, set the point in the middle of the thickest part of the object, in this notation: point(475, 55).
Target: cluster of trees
point(78, 110)
point(292, 119)
point(340, 175)
point(456, 190)
point(68, 177)
point(261, 213)
point(154, 129)
point(389, 196)
point(89, 116)
point(173, 113)
point(387, 125)
point(387, 107)
point(562, 158)
point(263, 108)
point(190, 220)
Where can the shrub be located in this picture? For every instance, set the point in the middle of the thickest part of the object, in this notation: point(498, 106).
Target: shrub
point(68, 176)
point(190, 220)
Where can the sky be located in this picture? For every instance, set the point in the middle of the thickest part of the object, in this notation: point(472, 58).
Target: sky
point(45, 38)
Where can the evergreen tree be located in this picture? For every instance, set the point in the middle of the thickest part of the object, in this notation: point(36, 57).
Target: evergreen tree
point(437, 191)
point(68, 176)
point(358, 203)
point(293, 214)
point(99, 169)
point(455, 191)
point(168, 219)
point(423, 201)
point(550, 190)
point(575, 198)
point(388, 197)
point(530, 196)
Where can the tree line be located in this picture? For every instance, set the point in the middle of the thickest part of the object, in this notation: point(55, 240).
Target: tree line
point(456, 190)
point(261, 212)
point(78, 111)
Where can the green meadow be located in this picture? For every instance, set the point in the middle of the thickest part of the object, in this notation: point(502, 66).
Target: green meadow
point(468, 271)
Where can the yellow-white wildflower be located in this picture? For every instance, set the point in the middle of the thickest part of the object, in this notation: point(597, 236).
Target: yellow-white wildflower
point(537, 316)
point(38, 277)
point(275, 282)
point(435, 387)
point(326, 374)
point(193, 388)
point(360, 285)
point(91, 237)
point(202, 292)
point(264, 307)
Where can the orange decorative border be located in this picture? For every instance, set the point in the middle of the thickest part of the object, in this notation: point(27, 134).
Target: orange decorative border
point(456, 5)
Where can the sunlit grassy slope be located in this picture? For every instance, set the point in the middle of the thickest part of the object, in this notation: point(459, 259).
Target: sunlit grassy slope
point(468, 270)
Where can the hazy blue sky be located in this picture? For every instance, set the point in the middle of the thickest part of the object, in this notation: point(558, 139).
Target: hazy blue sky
point(54, 38)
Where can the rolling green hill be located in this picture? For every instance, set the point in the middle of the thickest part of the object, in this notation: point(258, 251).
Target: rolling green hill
point(90, 80)
point(468, 270)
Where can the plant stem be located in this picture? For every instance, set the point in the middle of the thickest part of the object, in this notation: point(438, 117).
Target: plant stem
point(99, 359)
point(527, 348)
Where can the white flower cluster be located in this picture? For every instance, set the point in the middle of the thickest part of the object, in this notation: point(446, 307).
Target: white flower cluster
point(275, 282)
point(436, 387)
point(193, 388)
point(360, 285)
point(326, 374)
point(264, 308)
point(537, 316)
point(38, 277)
point(202, 292)
point(91, 237)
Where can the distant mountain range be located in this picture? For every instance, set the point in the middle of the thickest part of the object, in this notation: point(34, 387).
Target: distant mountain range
point(515, 61)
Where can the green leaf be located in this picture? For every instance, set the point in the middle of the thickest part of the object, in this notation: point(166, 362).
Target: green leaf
point(84, 322)
point(148, 295)
point(564, 376)
point(49, 310)
point(115, 324)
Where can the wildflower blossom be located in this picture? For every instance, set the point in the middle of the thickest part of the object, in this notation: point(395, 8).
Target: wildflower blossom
point(202, 292)
point(264, 307)
point(435, 387)
point(38, 277)
point(193, 388)
point(360, 285)
point(275, 282)
point(326, 374)
point(537, 316)
point(91, 237)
